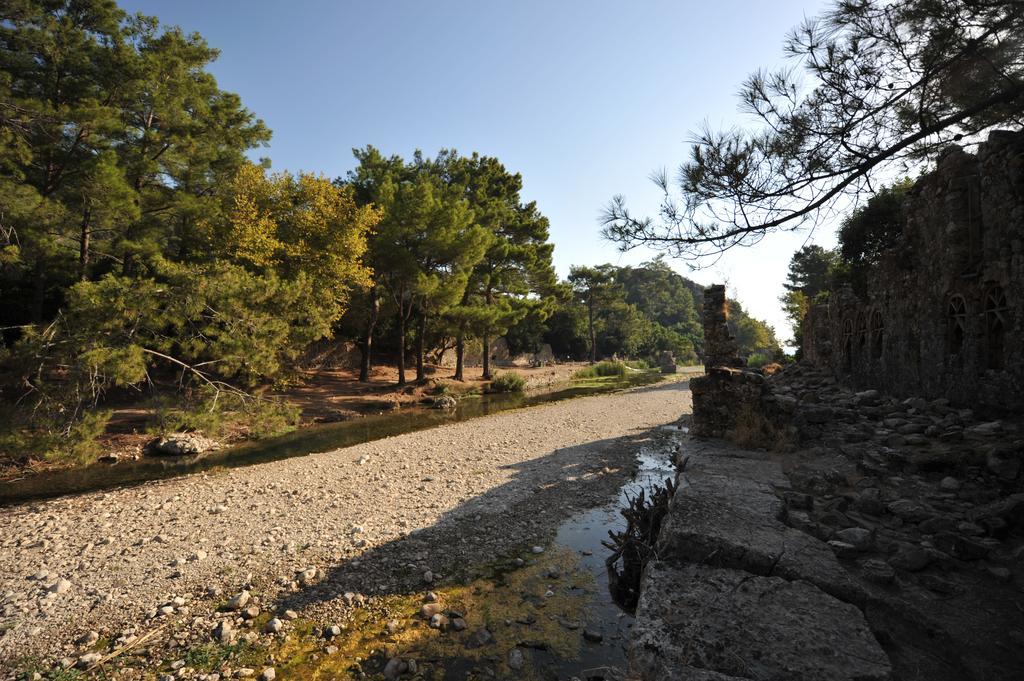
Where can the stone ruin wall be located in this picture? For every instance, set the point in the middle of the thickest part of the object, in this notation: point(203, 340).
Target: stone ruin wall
point(726, 391)
point(944, 311)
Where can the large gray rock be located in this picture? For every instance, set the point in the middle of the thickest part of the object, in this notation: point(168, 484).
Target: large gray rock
point(699, 623)
point(180, 444)
point(726, 514)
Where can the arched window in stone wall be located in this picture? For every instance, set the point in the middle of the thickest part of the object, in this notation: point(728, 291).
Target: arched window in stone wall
point(997, 321)
point(956, 324)
point(877, 333)
point(847, 344)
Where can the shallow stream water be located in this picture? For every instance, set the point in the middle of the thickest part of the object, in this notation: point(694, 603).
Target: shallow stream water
point(583, 533)
point(563, 626)
point(309, 440)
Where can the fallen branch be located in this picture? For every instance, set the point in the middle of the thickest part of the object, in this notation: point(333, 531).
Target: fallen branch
point(128, 646)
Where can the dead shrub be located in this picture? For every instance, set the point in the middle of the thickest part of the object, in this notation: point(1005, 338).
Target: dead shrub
point(753, 430)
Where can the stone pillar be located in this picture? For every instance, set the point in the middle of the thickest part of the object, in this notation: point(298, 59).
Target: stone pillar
point(726, 391)
point(719, 345)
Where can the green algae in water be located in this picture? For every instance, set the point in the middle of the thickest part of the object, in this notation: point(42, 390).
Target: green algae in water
point(514, 606)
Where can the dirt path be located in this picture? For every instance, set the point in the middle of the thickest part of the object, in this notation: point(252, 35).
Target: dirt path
point(368, 518)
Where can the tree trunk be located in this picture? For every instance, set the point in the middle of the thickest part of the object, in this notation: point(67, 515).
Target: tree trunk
point(593, 336)
point(83, 244)
point(421, 372)
point(488, 299)
point(487, 356)
point(401, 347)
point(460, 351)
point(366, 346)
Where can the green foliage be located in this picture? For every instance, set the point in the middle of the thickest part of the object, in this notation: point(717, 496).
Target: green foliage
point(38, 436)
point(662, 295)
point(595, 288)
point(603, 370)
point(759, 359)
point(511, 288)
point(242, 325)
point(210, 657)
point(508, 382)
point(138, 241)
point(218, 415)
point(813, 270)
point(639, 312)
point(753, 336)
point(566, 331)
point(865, 235)
point(427, 243)
point(869, 232)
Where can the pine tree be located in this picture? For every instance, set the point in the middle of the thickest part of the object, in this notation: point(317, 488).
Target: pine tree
point(515, 276)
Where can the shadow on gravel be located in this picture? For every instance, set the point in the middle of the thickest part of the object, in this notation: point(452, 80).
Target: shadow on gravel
point(482, 538)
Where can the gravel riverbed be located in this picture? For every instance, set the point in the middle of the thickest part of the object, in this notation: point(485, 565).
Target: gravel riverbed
point(373, 519)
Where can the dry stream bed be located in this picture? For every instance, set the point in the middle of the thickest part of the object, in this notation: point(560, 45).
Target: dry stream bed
point(494, 523)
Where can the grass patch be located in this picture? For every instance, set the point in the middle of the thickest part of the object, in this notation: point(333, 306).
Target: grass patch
point(29, 672)
point(508, 382)
point(603, 370)
point(210, 657)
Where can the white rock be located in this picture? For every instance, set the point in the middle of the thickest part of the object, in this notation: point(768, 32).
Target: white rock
point(89, 659)
point(60, 586)
point(239, 600)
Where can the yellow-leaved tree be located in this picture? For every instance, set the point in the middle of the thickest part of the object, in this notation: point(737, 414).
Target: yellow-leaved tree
point(299, 227)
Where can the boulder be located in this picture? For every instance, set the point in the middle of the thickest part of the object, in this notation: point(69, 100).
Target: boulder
point(698, 622)
point(180, 444)
point(727, 515)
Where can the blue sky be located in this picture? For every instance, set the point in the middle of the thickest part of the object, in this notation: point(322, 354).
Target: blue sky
point(584, 98)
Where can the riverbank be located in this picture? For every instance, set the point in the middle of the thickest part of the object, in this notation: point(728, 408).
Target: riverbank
point(370, 519)
point(317, 396)
point(321, 397)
